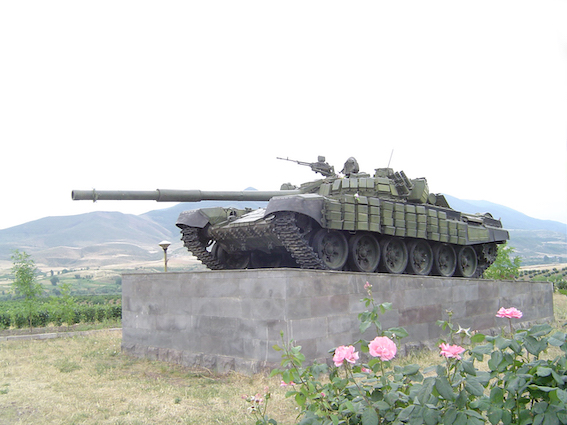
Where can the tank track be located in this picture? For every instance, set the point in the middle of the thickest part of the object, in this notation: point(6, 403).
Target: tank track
point(192, 241)
point(292, 238)
point(290, 235)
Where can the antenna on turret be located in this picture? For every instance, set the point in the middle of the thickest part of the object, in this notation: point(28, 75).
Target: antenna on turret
point(392, 153)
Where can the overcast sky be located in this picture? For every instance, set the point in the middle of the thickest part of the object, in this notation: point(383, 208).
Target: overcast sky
point(206, 94)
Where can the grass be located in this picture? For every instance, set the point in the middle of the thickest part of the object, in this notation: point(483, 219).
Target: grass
point(87, 380)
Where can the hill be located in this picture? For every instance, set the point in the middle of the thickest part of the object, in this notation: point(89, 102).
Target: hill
point(106, 238)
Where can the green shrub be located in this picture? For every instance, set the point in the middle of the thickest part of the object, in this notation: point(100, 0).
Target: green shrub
point(519, 387)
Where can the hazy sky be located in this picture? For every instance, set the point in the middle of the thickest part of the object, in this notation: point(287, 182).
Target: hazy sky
point(206, 94)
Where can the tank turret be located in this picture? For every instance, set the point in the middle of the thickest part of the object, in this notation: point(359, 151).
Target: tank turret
point(348, 221)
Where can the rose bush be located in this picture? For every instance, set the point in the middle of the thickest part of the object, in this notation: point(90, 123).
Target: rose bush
point(519, 386)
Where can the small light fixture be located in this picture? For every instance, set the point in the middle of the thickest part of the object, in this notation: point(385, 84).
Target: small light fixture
point(164, 245)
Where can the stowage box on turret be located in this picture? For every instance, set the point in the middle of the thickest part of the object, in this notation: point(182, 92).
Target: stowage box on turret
point(348, 221)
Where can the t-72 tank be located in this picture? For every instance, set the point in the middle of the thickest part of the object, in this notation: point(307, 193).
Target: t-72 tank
point(347, 221)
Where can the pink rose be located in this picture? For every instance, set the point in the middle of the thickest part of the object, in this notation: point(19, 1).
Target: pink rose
point(510, 313)
point(382, 347)
point(343, 353)
point(451, 351)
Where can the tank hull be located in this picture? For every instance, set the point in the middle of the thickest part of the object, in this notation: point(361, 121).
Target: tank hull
point(349, 232)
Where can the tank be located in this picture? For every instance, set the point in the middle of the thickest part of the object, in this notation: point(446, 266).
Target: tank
point(351, 220)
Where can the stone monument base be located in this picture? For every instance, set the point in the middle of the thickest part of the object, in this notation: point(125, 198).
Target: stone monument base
point(229, 320)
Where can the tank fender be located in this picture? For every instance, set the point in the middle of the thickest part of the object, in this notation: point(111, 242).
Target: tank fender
point(201, 217)
point(499, 235)
point(193, 218)
point(309, 204)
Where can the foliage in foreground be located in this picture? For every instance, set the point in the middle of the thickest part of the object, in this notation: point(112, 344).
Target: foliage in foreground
point(520, 386)
point(504, 267)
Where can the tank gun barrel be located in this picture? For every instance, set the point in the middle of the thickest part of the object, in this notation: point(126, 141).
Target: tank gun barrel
point(169, 195)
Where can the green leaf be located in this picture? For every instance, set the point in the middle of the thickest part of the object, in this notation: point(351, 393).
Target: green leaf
point(300, 399)
point(444, 388)
point(557, 339)
point(506, 417)
point(427, 388)
point(497, 396)
point(350, 406)
point(516, 347)
point(476, 338)
point(483, 349)
point(450, 416)
point(502, 343)
point(543, 371)
point(562, 396)
point(461, 400)
point(473, 387)
point(540, 330)
point(495, 415)
point(473, 414)
point(399, 332)
point(541, 388)
point(369, 416)
point(468, 367)
point(385, 307)
point(411, 369)
point(495, 360)
point(461, 419)
point(430, 416)
point(534, 346)
point(381, 405)
point(538, 419)
point(405, 414)
point(514, 384)
point(363, 326)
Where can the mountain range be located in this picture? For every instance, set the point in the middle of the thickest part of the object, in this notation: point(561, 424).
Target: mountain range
point(108, 238)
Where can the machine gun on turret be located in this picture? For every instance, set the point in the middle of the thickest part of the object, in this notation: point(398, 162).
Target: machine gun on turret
point(320, 166)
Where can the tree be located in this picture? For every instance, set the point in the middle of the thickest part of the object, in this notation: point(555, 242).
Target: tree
point(68, 305)
point(504, 267)
point(54, 280)
point(25, 284)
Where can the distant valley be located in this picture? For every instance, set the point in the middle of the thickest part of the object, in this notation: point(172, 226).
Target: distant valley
point(111, 238)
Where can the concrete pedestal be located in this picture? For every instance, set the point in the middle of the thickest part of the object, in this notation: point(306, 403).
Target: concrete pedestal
point(229, 320)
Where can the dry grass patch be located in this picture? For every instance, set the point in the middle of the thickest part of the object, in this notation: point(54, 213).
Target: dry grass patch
point(86, 380)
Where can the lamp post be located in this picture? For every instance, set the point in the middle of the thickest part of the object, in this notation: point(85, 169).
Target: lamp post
point(164, 245)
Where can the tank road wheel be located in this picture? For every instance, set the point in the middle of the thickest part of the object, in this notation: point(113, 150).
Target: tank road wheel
point(394, 255)
point(331, 247)
point(364, 253)
point(233, 260)
point(444, 260)
point(420, 258)
point(466, 262)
